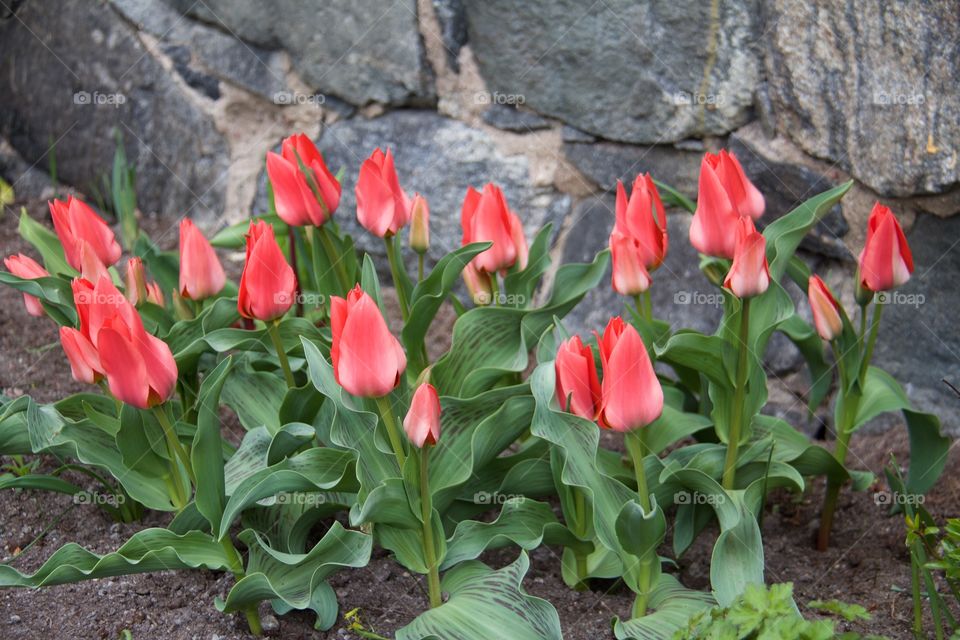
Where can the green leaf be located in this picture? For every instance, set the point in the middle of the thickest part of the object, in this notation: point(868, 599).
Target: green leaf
point(671, 606)
point(55, 294)
point(483, 603)
point(206, 454)
point(234, 236)
point(737, 559)
point(47, 244)
point(256, 397)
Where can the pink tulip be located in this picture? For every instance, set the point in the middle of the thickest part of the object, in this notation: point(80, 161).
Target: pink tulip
point(367, 359)
point(135, 281)
point(304, 190)
point(631, 395)
point(201, 274)
point(154, 294)
point(77, 225)
point(486, 217)
point(383, 208)
point(578, 387)
point(422, 422)
point(725, 194)
point(29, 269)
point(749, 275)
point(82, 355)
point(886, 261)
point(630, 277)
point(742, 193)
point(642, 218)
point(267, 285)
point(825, 308)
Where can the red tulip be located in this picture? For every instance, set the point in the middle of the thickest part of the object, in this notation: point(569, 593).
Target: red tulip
point(78, 226)
point(201, 274)
point(631, 396)
point(725, 194)
point(608, 340)
point(367, 359)
point(419, 224)
point(487, 218)
point(304, 190)
point(642, 217)
point(91, 268)
point(383, 208)
point(630, 277)
point(749, 275)
point(825, 308)
point(578, 387)
point(422, 422)
point(139, 367)
point(268, 285)
point(886, 261)
point(29, 269)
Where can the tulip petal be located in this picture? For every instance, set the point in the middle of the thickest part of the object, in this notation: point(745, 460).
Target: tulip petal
point(632, 396)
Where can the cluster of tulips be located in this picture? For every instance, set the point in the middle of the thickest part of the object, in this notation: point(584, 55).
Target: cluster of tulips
point(332, 426)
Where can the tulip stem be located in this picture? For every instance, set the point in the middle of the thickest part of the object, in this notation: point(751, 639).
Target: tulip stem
point(386, 411)
point(644, 305)
point(580, 517)
point(176, 452)
point(494, 289)
point(292, 237)
point(736, 418)
point(637, 446)
point(335, 259)
point(426, 512)
point(273, 328)
point(236, 567)
point(871, 341)
point(395, 273)
point(419, 268)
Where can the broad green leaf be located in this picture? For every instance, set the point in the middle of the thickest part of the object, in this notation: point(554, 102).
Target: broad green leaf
point(256, 397)
point(55, 294)
point(737, 559)
point(671, 605)
point(206, 454)
point(47, 244)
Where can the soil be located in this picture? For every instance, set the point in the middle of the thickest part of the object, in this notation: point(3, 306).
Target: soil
point(868, 564)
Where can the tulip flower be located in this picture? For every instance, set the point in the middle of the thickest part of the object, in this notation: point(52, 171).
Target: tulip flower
point(112, 341)
point(631, 396)
point(267, 285)
point(419, 224)
point(422, 422)
point(886, 261)
point(487, 218)
point(154, 294)
point(29, 269)
point(578, 387)
point(608, 339)
point(642, 217)
point(135, 281)
point(825, 308)
point(630, 277)
point(367, 358)
point(478, 284)
point(749, 275)
point(383, 208)
point(725, 194)
point(201, 274)
point(304, 190)
point(78, 227)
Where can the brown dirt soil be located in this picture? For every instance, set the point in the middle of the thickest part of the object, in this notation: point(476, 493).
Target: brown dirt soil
point(867, 565)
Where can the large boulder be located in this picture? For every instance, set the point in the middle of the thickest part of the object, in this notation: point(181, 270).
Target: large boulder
point(74, 72)
point(871, 86)
point(359, 50)
point(621, 69)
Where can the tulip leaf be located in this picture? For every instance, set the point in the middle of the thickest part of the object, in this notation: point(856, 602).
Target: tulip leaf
point(47, 245)
point(737, 559)
point(255, 396)
point(55, 294)
point(206, 454)
point(521, 285)
point(234, 236)
point(483, 603)
point(670, 606)
point(672, 197)
point(810, 345)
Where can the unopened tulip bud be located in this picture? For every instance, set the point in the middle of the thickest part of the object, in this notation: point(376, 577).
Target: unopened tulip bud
point(154, 294)
point(422, 422)
point(26, 267)
point(478, 284)
point(749, 275)
point(886, 261)
point(419, 224)
point(825, 308)
point(135, 281)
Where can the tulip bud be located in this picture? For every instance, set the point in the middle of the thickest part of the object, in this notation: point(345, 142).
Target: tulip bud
point(487, 218)
point(630, 277)
point(304, 190)
point(267, 285)
point(419, 224)
point(201, 274)
point(383, 208)
point(724, 194)
point(154, 294)
point(642, 218)
point(77, 225)
point(136, 281)
point(631, 395)
point(886, 261)
point(749, 275)
point(578, 387)
point(29, 269)
point(422, 422)
point(825, 308)
point(478, 284)
point(367, 359)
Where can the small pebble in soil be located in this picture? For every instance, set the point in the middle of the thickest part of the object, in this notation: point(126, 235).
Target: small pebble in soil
point(14, 619)
point(269, 623)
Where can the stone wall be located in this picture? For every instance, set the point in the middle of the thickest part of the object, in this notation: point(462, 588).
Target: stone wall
point(554, 99)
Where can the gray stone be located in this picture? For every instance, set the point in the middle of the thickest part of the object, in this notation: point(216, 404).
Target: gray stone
point(362, 51)
point(871, 86)
point(784, 187)
point(606, 162)
point(28, 182)
point(453, 29)
point(918, 341)
point(621, 69)
point(438, 158)
point(203, 55)
point(72, 73)
point(572, 134)
point(681, 294)
point(509, 118)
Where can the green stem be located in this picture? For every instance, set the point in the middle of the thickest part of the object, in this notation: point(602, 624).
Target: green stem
point(419, 268)
point(176, 451)
point(580, 515)
point(917, 596)
point(395, 273)
point(637, 447)
point(236, 567)
point(871, 342)
point(393, 433)
point(426, 511)
point(273, 328)
point(736, 417)
point(292, 239)
point(494, 290)
point(334, 256)
point(647, 305)
point(638, 304)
